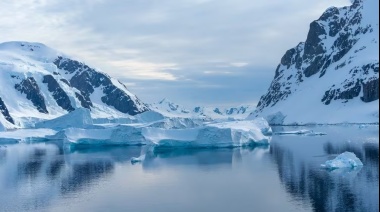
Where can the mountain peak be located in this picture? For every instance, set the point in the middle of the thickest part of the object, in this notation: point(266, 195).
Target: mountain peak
point(34, 50)
point(49, 84)
point(334, 72)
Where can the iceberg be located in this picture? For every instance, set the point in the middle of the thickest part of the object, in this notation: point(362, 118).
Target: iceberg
point(118, 135)
point(79, 118)
point(224, 134)
point(177, 123)
point(276, 118)
point(26, 135)
point(173, 133)
point(344, 160)
point(263, 125)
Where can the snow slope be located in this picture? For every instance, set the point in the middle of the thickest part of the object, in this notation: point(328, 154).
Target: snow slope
point(332, 77)
point(40, 83)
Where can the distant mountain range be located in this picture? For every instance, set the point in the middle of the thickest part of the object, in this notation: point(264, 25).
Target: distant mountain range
point(171, 109)
point(333, 76)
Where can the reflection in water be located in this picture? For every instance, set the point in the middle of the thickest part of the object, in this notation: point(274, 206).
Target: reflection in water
point(37, 177)
point(204, 158)
point(337, 190)
point(25, 169)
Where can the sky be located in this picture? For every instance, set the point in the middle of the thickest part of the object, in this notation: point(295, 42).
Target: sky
point(193, 52)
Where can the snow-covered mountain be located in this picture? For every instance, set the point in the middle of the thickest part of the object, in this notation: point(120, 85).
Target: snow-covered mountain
point(37, 82)
point(170, 109)
point(332, 77)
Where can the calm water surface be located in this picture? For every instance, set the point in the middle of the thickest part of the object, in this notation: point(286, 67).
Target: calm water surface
point(285, 176)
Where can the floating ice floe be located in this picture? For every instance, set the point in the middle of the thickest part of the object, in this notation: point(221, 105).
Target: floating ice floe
point(139, 159)
point(300, 132)
point(225, 134)
point(79, 118)
point(344, 160)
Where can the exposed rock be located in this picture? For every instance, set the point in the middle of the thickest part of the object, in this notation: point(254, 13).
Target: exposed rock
point(86, 80)
point(5, 112)
point(370, 90)
point(59, 94)
point(30, 87)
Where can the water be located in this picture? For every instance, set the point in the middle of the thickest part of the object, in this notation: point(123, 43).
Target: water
point(285, 176)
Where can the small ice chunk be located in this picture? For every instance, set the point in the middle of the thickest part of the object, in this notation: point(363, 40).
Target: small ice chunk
point(362, 126)
point(297, 132)
point(139, 159)
point(344, 160)
point(312, 133)
point(300, 132)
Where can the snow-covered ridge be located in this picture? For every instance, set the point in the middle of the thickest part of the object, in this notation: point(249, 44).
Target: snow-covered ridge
point(171, 109)
point(332, 77)
point(40, 83)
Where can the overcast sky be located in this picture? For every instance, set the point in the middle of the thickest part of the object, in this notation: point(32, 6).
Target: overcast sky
point(194, 52)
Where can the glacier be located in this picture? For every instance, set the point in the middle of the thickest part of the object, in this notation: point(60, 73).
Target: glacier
point(344, 160)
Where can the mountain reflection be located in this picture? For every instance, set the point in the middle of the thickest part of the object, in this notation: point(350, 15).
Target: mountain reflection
point(42, 176)
point(204, 158)
point(337, 190)
point(32, 165)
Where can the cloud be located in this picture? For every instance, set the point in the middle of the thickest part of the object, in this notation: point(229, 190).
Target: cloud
point(176, 46)
point(239, 64)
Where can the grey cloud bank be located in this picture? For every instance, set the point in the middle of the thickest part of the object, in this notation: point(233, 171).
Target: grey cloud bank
point(208, 52)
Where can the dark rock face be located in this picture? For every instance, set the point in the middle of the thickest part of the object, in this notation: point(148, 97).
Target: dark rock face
point(370, 90)
point(216, 110)
point(59, 94)
point(330, 39)
point(69, 65)
point(352, 87)
point(86, 80)
point(351, 91)
point(5, 112)
point(117, 98)
point(85, 101)
point(30, 88)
